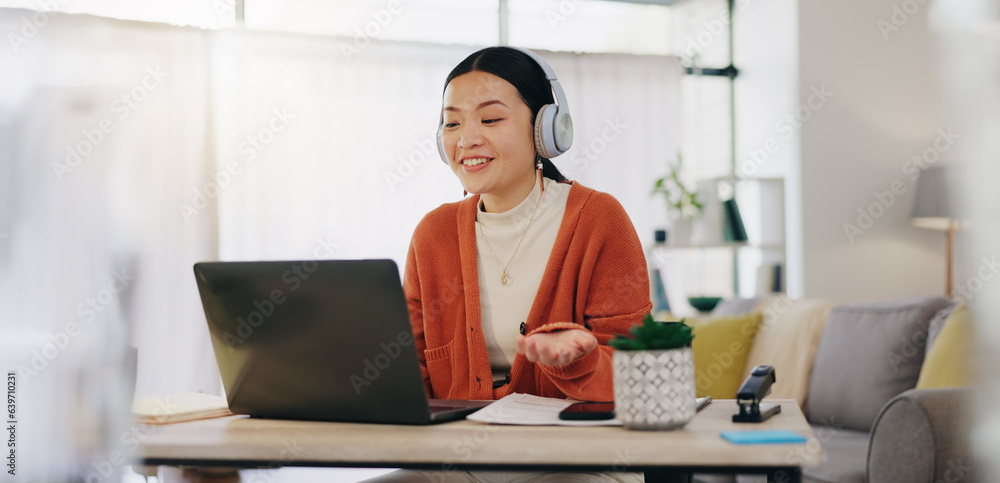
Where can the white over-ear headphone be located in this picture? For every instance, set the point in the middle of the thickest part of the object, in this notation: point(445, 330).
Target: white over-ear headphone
point(553, 124)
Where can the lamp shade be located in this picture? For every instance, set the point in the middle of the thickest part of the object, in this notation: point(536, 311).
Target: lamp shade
point(931, 207)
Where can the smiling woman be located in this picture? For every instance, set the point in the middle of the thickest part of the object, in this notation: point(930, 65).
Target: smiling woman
point(550, 270)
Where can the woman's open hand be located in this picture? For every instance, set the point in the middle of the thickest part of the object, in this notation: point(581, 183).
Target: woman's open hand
point(556, 348)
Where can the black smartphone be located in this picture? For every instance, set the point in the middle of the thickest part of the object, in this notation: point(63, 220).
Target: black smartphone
point(587, 411)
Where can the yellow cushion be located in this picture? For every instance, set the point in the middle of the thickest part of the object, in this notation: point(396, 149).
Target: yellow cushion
point(720, 348)
point(664, 315)
point(949, 362)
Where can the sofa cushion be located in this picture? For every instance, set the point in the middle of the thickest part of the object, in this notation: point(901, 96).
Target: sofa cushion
point(949, 361)
point(786, 339)
point(936, 324)
point(846, 455)
point(720, 348)
point(736, 306)
point(869, 352)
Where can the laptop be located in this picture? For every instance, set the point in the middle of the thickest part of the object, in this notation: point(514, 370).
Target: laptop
point(318, 340)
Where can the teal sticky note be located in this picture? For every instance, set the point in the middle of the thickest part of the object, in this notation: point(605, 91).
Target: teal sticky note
point(766, 436)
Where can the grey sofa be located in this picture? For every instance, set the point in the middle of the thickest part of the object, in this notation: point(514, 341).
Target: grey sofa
point(872, 424)
point(922, 435)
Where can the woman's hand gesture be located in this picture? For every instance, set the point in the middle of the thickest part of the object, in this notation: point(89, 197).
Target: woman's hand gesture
point(556, 348)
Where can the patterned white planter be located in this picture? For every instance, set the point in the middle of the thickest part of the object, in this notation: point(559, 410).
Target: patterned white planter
point(654, 389)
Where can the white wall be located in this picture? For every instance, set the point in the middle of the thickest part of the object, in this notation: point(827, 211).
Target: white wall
point(836, 150)
point(885, 109)
point(765, 50)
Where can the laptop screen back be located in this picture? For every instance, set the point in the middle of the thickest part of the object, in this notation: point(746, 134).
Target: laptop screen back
point(316, 340)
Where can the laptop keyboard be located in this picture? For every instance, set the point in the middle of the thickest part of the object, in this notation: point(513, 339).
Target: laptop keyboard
point(439, 409)
point(445, 405)
point(436, 408)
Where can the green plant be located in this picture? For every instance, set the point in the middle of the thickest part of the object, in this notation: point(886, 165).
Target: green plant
point(654, 335)
point(681, 201)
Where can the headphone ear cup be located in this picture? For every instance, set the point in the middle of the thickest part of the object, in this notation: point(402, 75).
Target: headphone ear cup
point(545, 130)
point(563, 131)
point(440, 144)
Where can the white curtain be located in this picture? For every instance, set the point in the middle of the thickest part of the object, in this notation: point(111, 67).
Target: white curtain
point(357, 167)
point(130, 151)
point(102, 125)
point(626, 110)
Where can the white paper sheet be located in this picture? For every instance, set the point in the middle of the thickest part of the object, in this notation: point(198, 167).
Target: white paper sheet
point(528, 410)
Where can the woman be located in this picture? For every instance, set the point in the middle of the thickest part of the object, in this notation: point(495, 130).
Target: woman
point(519, 287)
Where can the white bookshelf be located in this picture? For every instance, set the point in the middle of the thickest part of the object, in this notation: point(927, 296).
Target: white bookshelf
point(729, 269)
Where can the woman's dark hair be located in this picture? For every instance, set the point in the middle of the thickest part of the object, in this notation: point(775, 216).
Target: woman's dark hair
point(524, 74)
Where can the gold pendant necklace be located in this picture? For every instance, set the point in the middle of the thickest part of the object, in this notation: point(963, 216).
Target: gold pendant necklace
point(504, 276)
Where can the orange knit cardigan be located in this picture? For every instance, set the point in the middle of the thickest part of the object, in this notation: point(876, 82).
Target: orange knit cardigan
point(595, 280)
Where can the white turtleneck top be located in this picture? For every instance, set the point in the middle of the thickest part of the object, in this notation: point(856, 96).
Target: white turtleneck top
point(505, 307)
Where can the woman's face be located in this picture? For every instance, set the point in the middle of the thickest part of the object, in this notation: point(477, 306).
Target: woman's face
point(488, 134)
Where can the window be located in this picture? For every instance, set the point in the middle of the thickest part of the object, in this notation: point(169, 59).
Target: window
point(707, 130)
point(435, 21)
point(557, 25)
point(701, 32)
point(592, 26)
point(198, 13)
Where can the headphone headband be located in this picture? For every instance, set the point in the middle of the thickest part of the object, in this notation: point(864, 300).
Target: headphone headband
point(557, 91)
point(549, 73)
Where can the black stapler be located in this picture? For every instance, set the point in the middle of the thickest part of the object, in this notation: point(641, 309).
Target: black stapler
point(755, 388)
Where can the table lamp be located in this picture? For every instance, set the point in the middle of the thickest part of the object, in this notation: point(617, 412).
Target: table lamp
point(932, 210)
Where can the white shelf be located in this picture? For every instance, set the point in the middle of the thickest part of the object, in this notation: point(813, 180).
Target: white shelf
point(709, 267)
point(723, 245)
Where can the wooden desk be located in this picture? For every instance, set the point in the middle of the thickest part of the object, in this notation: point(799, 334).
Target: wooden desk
point(239, 441)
